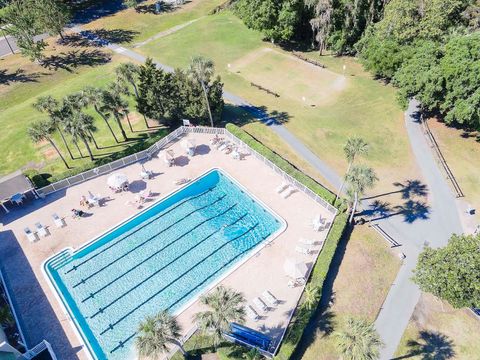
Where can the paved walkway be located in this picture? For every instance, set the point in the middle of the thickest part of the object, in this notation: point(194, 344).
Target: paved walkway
point(170, 31)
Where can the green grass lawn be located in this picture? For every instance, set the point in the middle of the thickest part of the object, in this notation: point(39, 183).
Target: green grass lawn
point(462, 152)
point(144, 25)
point(19, 93)
point(436, 328)
point(371, 266)
point(362, 106)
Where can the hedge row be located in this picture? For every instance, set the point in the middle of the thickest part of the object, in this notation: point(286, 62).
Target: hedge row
point(302, 316)
point(41, 180)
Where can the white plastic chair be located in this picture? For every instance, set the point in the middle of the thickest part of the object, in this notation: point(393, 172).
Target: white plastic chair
point(272, 300)
point(30, 235)
point(305, 250)
point(41, 230)
point(59, 223)
point(259, 304)
point(251, 313)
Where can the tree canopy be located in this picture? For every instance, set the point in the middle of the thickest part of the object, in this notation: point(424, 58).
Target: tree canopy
point(452, 272)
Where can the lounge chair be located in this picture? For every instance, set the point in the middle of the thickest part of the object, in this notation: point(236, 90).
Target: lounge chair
point(30, 235)
point(305, 250)
point(282, 187)
point(318, 223)
point(223, 145)
point(41, 230)
point(289, 191)
point(59, 223)
point(259, 304)
point(251, 313)
point(307, 241)
point(272, 300)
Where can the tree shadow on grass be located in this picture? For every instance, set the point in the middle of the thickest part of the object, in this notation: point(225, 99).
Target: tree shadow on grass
point(98, 37)
point(19, 75)
point(73, 59)
point(431, 345)
point(245, 114)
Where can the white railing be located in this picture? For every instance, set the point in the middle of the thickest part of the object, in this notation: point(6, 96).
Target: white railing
point(38, 349)
point(150, 152)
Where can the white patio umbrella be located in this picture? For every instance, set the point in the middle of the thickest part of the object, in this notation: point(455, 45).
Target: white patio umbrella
point(117, 180)
point(295, 269)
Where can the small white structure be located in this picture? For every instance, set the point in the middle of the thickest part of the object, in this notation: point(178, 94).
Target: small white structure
point(169, 157)
point(117, 181)
point(295, 269)
point(189, 146)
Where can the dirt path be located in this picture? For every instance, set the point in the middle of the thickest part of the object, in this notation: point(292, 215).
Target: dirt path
point(167, 32)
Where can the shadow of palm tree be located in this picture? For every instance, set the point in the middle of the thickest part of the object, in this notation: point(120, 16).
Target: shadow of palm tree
point(431, 345)
point(73, 59)
point(408, 189)
point(6, 78)
point(411, 211)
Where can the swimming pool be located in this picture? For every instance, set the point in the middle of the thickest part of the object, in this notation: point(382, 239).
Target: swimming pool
point(163, 258)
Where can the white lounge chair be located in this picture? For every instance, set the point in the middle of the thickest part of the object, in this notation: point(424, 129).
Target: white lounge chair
point(58, 221)
point(318, 223)
point(259, 304)
point(272, 300)
point(282, 187)
point(251, 313)
point(30, 235)
point(305, 250)
point(41, 230)
point(289, 191)
point(222, 146)
point(307, 241)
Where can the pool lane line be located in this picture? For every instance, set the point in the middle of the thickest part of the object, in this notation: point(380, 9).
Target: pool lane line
point(103, 308)
point(133, 232)
point(83, 280)
point(92, 295)
point(121, 343)
point(110, 326)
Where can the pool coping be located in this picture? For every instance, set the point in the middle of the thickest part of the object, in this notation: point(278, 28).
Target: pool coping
point(64, 305)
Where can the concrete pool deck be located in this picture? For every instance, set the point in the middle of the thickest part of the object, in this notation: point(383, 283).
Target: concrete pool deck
point(42, 315)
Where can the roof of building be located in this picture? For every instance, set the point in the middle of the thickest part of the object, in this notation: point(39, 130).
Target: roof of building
point(14, 183)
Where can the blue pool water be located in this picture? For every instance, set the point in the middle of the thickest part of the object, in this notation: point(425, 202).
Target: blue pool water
point(161, 259)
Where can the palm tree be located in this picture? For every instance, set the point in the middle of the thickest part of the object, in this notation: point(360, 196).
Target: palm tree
point(252, 354)
point(80, 126)
point(359, 178)
point(354, 146)
point(47, 104)
point(127, 73)
point(201, 70)
point(312, 296)
point(226, 306)
point(113, 103)
point(155, 333)
point(358, 341)
point(41, 131)
point(94, 98)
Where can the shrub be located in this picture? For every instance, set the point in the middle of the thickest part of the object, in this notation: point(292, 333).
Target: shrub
point(319, 273)
point(38, 180)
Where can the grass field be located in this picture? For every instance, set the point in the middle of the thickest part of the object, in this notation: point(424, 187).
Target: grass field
point(145, 23)
point(355, 104)
point(462, 152)
point(23, 82)
point(371, 266)
point(437, 331)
